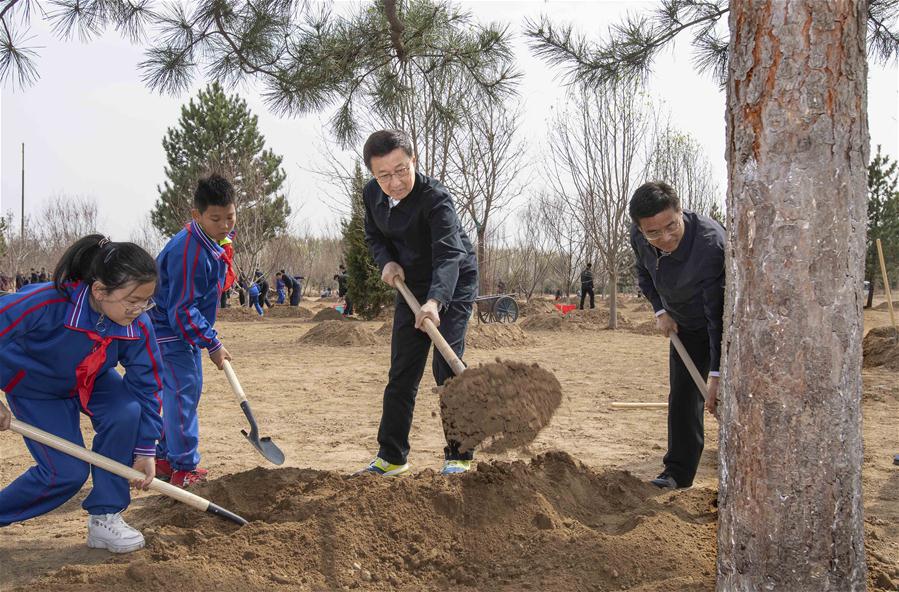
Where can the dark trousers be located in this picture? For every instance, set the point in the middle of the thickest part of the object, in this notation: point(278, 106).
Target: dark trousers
point(584, 293)
point(295, 297)
point(348, 305)
point(408, 356)
point(685, 408)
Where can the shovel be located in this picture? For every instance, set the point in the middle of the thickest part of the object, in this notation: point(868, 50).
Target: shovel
point(443, 347)
point(265, 446)
point(116, 468)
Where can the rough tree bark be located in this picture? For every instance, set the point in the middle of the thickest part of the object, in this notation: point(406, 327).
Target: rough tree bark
point(791, 443)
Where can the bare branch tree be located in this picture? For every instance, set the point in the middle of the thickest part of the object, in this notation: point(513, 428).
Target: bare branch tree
point(598, 146)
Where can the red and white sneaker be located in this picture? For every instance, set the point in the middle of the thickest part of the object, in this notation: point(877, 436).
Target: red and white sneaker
point(185, 479)
point(164, 469)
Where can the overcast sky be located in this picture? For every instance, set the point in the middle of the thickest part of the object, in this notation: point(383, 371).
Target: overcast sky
point(91, 128)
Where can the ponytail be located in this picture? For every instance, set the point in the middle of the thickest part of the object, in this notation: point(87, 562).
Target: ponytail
point(96, 258)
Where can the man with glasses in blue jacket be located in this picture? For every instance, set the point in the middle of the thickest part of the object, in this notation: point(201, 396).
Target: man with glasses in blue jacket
point(680, 269)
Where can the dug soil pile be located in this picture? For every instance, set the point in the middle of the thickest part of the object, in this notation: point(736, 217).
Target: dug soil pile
point(240, 314)
point(546, 321)
point(495, 336)
point(551, 524)
point(645, 328)
point(885, 306)
point(281, 311)
point(575, 320)
point(535, 306)
point(500, 406)
point(328, 314)
point(880, 347)
point(338, 334)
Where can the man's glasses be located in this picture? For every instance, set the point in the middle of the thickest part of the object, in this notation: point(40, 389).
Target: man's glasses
point(669, 230)
point(388, 177)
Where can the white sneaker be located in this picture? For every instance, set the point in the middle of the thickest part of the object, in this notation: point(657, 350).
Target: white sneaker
point(110, 531)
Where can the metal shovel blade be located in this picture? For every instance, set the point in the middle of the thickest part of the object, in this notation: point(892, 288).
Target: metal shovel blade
point(264, 445)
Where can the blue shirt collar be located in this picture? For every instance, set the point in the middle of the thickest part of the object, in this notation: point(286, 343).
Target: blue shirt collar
point(81, 317)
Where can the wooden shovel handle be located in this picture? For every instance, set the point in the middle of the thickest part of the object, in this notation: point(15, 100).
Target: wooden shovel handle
point(107, 464)
point(431, 329)
point(232, 380)
point(624, 405)
point(886, 285)
point(691, 367)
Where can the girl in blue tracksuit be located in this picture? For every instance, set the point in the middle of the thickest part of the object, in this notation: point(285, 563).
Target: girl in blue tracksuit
point(60, 344)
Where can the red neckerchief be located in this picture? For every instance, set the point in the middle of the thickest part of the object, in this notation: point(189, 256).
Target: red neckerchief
point(86, 371)
point(228, 258)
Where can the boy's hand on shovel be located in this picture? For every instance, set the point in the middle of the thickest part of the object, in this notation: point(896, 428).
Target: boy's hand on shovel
point(147, 466)
point(429, 310)
point(219, 356)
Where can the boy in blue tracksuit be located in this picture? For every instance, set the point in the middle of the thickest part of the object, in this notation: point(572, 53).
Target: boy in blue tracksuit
point(194, 268)
point(279, 283)
point(59, 346)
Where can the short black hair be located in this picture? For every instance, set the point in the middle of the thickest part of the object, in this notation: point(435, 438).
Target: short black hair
point(383, 142)
point(214, 190)
point(589, 265)
point(651, 198)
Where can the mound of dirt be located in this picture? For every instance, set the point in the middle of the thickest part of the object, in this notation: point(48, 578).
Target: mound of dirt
point(880, 347)
point(551, 524)
point(239, 314)
point(328, 314)
point(385, 331)
point(546, 321)
point(885, 306)
point(281, 311)
point(596, 318)
point(535, 306)
point(495, 336)
point(338, 333)
point(500, 406)
point(645, 328)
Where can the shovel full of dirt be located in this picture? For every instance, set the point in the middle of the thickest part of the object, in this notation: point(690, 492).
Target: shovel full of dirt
point(496, 406)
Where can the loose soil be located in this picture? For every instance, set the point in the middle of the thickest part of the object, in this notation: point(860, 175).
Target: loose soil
point(880, 347)
point(494, 336)
point(500, 406)
point(570, 512)
point(339, 334)
point(328, 314)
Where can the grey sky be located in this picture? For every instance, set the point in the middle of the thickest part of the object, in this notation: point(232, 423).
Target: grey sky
point(91, 128)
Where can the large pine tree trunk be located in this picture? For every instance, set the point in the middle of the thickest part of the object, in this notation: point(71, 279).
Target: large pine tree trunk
point(790, 439)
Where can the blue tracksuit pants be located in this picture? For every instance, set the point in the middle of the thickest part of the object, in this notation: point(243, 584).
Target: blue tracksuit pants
point(182, 383)
point(57, 476)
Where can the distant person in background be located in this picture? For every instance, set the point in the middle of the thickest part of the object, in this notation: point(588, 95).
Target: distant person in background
point(501, 286)
point(298, 294)
point(279, 286)
point(20, 280)
point(343, 284)
point(263, 289)
point(292, 287)
point(42, 276)
point(587, 286)
point(34, 276)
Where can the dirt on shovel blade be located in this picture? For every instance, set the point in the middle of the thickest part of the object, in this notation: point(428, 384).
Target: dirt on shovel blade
point(499, 406)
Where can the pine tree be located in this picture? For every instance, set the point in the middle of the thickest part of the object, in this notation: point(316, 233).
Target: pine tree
point(218, 133)
point(366, 290)
point(883, 217)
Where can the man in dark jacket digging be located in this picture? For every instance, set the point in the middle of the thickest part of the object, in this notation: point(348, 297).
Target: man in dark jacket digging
point(414, 233)
point(680, 269)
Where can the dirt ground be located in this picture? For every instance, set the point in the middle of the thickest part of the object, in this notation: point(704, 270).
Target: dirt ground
point(572, 512)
